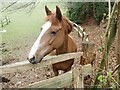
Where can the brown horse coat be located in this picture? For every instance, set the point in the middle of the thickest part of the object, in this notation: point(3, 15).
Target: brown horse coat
point(68, 47)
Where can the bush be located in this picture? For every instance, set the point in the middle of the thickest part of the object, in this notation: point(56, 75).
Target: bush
point(80, 11)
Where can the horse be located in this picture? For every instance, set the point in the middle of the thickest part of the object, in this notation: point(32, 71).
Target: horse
point(54, 38)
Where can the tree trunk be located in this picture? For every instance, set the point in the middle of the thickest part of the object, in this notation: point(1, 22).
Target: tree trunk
point(109, 38)
point(118, 43)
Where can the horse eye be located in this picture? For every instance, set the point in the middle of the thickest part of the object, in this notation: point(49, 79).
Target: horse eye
point(53, 32)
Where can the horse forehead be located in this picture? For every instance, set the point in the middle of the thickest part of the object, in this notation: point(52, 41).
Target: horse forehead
point(47, 25)
point(45, 28)
point(52, 18)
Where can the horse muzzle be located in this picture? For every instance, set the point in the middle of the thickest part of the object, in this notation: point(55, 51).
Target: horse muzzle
point(34, 61)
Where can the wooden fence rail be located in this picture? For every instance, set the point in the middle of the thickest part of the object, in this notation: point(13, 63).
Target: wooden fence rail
point(75, 76)
point(48, 60)
point(55, 82)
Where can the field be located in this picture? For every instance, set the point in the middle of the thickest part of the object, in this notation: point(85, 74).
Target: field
point(21, 33)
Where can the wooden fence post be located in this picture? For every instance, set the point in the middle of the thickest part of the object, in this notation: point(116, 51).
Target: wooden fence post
point(79, 72)
point(6, 20)
point(1, 23)
point(78, 78)
point(88, 49)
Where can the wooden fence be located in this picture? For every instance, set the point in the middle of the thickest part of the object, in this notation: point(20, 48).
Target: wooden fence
point(76, 75)
point(4, 21)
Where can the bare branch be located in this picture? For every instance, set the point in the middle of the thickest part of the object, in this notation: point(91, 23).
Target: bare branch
point(4, 9)
point(14, 6)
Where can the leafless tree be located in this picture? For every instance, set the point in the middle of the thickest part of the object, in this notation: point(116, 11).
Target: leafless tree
point(18, 5)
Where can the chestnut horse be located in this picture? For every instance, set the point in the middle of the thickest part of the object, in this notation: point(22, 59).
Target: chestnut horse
point(54, 37)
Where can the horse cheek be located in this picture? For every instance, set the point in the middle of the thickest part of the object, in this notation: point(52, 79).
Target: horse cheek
point(58, 40)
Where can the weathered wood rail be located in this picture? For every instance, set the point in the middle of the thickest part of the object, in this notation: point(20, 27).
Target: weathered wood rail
point(48, 60)
point(55, 82)
point(75, 76)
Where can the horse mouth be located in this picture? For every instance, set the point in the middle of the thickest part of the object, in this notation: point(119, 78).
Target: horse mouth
point(33, 60)
point(37, 58)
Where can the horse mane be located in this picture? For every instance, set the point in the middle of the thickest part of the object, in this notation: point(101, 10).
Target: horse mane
point(69, 24)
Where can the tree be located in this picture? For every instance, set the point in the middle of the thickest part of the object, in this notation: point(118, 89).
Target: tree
point(118, 43)
point(17, 5)
point(109, 38)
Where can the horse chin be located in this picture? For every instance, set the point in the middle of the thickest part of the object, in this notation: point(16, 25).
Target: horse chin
point(43, 54)
point(41, 58)
point(39, 61)
point(32, 62)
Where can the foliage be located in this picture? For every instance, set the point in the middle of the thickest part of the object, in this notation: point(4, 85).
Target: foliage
point(104, 80)
point(77, 12)
point(80, 11)
point(109, 38)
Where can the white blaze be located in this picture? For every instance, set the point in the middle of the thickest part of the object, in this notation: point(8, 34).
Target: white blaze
point(35, 46)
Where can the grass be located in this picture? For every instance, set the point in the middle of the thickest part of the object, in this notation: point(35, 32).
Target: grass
point(24, 25)
point(24, 28)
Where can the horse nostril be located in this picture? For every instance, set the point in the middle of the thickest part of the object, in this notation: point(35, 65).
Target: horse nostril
point(32, 60)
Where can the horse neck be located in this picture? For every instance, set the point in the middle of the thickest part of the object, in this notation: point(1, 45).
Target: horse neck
point(64, 47)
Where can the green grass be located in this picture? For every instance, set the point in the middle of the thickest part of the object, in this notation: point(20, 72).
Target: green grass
point(24, 26)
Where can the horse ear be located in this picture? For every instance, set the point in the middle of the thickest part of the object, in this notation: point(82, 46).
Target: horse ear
point(58, 13)
point(48, 12)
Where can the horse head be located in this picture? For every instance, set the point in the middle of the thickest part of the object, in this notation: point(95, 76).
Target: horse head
point(51, 37)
